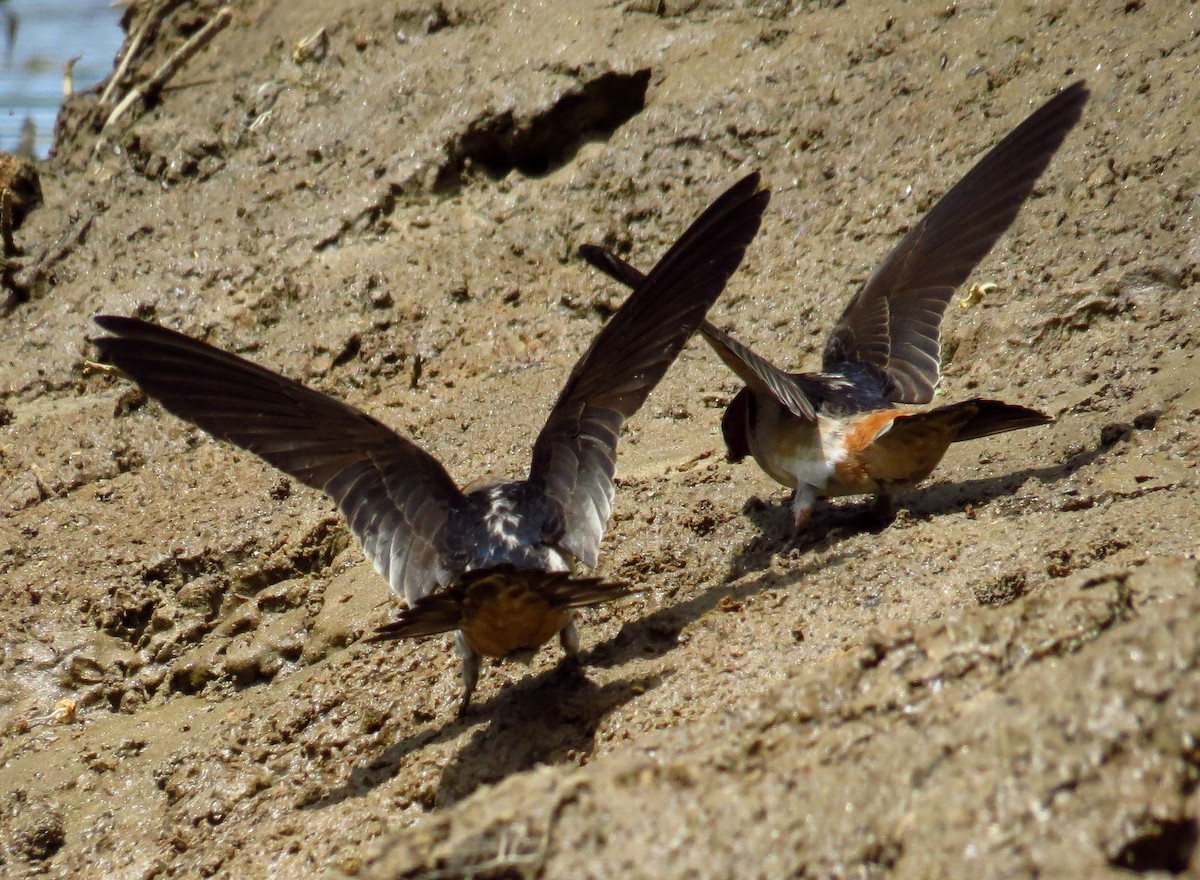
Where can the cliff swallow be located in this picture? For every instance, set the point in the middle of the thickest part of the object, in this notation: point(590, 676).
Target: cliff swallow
point(839, 431)
point(492, 564)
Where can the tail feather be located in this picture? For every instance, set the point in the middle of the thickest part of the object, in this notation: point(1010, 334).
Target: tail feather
point(444, 611)
point(428, 617)
point(996, 417)
point(580, 592)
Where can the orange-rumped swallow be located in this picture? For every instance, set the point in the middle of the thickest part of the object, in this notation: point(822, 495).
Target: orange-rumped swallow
point(838, 432)
point(492, 564)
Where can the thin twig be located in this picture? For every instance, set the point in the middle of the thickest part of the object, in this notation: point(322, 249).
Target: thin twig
point(69, 76)
point(153, 17)
point(167, 70)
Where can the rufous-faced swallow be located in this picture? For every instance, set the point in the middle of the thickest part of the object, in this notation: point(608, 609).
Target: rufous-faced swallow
point(492, 564)
point(839, 431)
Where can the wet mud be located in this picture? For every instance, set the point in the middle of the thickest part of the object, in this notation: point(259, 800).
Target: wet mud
point(384, 201)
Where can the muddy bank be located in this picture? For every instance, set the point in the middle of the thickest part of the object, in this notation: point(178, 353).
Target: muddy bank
point(1001, 682)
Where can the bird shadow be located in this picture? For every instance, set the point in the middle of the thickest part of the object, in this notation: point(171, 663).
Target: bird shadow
point(834, 522)
point(542, 719)
point(657, 633)
point(548, 720)
point(553, 716)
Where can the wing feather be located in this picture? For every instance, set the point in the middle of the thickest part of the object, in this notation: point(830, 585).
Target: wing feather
point(574, 456)
point(393, 494)
point(893, 321)
point(756, 371)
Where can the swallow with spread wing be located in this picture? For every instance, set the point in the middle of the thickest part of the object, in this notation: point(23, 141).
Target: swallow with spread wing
point(492, 564)
point(839, 431)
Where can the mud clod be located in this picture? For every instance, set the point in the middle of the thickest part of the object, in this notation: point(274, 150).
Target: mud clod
point(37, 833)
point(1002, 590)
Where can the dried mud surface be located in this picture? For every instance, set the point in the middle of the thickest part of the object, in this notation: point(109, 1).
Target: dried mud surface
point(1005, 682)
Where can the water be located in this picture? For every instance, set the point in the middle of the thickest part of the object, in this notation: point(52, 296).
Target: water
point(49, 32)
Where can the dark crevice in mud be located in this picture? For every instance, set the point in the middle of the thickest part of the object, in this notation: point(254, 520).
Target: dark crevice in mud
point(180, 569)
point(498, 143)
point(129, 618)
point(1166, 846)
point(536, 145)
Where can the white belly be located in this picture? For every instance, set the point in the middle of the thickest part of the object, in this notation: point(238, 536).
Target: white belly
point(799, 452)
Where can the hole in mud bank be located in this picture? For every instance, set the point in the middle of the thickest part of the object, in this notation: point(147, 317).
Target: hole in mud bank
point(1166, 846)
point(537, 145)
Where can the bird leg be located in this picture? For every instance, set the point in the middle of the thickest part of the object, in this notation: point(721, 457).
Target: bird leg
point(568, 637)
point(470, 670)
point(883, 511)
point(803, 500)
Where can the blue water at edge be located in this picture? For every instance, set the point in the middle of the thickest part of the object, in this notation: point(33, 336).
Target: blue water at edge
point(48, 33)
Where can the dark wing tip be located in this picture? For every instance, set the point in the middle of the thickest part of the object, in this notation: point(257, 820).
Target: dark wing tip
point(1073, 97)
point(574, 455)
point(758, 373)
point(136, 328)
point(121, 328)
point(611, 265)
point(753, 369)
point(893, 321)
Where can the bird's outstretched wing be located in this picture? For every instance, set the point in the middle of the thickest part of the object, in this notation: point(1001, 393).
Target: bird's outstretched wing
point(757, 372)
point(893, 321)
point(574, 456)
point(394, 495)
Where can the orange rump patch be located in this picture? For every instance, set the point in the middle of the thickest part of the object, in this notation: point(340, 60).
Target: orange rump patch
point(502, 615)
point(912, 448)
point(855, 469)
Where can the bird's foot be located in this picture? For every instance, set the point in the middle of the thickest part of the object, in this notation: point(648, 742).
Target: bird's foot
point(471, 661)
